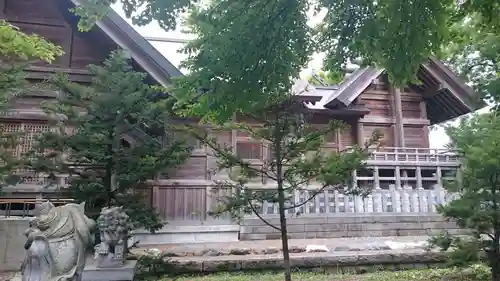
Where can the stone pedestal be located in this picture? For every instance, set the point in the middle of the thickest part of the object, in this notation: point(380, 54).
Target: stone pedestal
point(124, 273)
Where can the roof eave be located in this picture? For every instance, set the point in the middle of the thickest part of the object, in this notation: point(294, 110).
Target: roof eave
point(124, 35)
point(360, 80)
point(464, 93)
point(358, 110)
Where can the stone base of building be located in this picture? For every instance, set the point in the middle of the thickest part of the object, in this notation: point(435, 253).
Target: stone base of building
point(124, 273)
point(351, 225)
point(345, 262)
point(174, 234)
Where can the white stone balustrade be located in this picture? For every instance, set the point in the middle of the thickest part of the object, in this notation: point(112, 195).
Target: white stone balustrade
point(331, 202)
point(417, 156)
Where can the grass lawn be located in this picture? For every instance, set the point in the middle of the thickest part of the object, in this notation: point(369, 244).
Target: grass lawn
point(475, 273)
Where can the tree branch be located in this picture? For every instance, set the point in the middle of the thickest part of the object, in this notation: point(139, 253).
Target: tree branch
point(308, 199)
point(260, 217)
point(239, 162)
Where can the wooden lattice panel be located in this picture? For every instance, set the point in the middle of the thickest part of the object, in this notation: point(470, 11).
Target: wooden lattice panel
point(28, 133)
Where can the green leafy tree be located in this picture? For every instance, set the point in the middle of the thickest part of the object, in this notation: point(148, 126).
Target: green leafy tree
point(296, 161)
point(396, 35)
point(237, 70)
point(17, 50)
point(88, 143)
point(17, 47)
point(473, 53)
point(478, 206)
point(326, 77)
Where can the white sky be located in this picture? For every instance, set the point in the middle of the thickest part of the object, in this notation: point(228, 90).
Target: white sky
point(438, 138)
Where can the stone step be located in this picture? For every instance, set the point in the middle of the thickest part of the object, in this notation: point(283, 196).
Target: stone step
point(357, 262)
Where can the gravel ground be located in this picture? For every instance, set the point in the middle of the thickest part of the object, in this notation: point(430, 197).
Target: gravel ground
point(297, 245)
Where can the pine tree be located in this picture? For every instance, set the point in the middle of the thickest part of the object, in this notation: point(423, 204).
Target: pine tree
point(297, 161)
point(477, 207)
point(109, 138)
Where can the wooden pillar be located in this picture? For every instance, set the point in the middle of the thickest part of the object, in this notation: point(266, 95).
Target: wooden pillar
point(419, 177)
point(399, 117)
point(338, 135)
point(439, 176)
point(423, 110)
point(265, 159)
point(360, 138)
point(355, 178)
point(156, 197)
point(234, 141)
point(458, 178)
point(211, 162)
point(376, 178)
point(397, 174)
point(423, 115)
point(359, 133)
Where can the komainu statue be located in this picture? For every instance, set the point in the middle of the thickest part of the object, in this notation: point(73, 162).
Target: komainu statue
point(58, 238)
point(114, 225)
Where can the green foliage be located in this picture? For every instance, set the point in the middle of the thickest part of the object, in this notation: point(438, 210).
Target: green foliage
point(142, 12)
point(237, 70)
point(477, 141)
point(17, 46)
point(396, 35)
point(155, 266)
point(478, 272)
point(91, 124)
point(16, 51)
point(328, 77)
point(474, 54)
point(478, 206)
point(463, 251)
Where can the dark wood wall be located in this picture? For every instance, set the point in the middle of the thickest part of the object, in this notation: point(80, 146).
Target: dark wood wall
point(50, 19)
point(381, 100)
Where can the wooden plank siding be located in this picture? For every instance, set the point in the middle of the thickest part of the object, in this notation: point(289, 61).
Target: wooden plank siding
point(415, 137)
point(195, 168)
point(386, 131)
point(403, 124)
point(44, 18)
point(188, 201)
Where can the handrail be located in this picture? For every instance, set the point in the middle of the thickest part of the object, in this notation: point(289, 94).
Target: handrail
point(27, 205)
point(419, 150)
point(35, 201)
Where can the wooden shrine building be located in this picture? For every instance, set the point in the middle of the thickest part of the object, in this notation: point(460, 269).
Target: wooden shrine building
point(365, 100)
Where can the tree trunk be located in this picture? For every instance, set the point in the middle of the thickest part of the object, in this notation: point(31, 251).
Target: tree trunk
point(284, 233)
point(495, 265)
point(279, 137)
point(494, 257)
point(495, 272)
